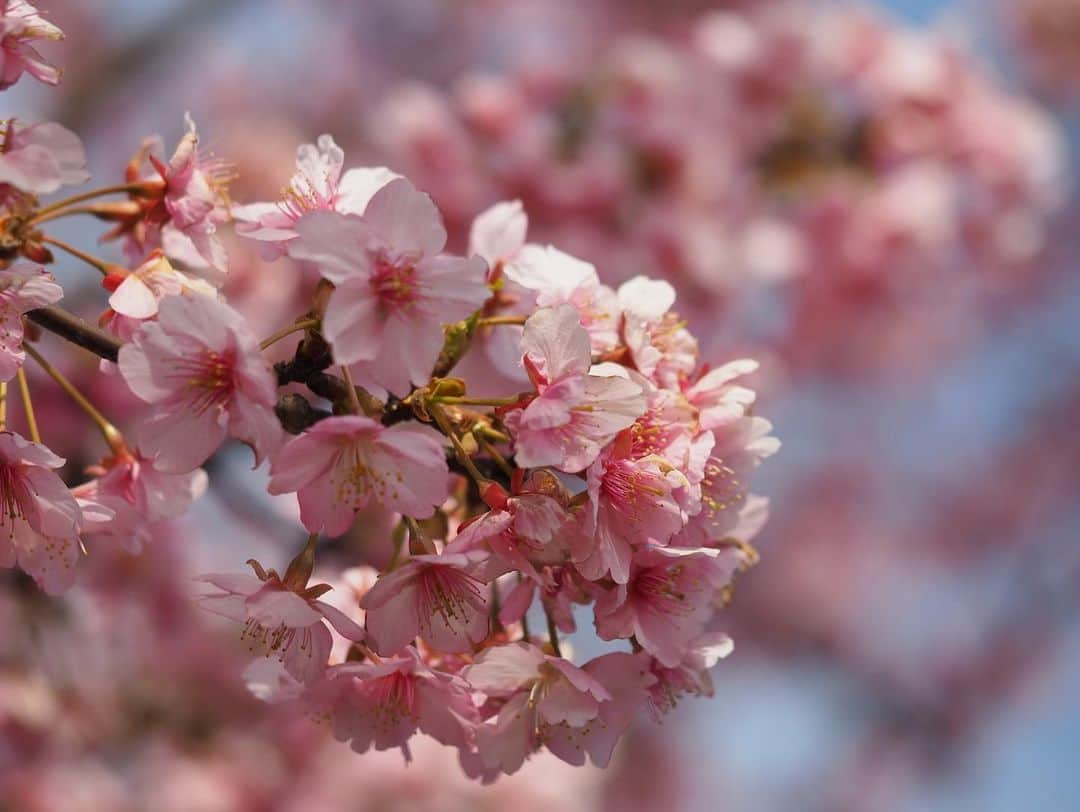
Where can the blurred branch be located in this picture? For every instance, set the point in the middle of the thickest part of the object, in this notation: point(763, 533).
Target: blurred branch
point(72, 328)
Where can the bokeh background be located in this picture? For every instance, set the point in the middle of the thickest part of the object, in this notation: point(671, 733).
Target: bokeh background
point(875, 199)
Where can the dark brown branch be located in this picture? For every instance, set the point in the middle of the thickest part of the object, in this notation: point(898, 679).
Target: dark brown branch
point(72, 328)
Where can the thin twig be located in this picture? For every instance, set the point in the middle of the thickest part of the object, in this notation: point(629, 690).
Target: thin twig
point(28, 406)
point(500, 460)
point(112, 435)
point(553, 634)
point(354, 400)
point(285, 332)
point(123, 188)
point(463, 456)
point(102, 267)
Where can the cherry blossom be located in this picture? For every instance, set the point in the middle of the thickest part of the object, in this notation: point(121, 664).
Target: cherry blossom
point(435, 597)
point(42, 519)
point(317, 185)
point(200, 368)
point(382, 705)
point(20, 25)
point(667, 599)
point(23, 287)
point(578, 408)
point(137, 294)
point(344, 463)
point(631, 502)
point(41, 158)
point(395, 287)
point(282, 616)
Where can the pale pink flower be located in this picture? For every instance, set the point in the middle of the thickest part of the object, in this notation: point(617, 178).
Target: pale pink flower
point(317, 185)
point(667, 600)
point(125, 527)
point(395, 289)
point(343, 463)
point(560, 587)
point(201, 369)
point(740, 446)
point(281, 616)
point(20, 25)
point(558, 278)
point(541, 693)
point(557, 689)
point(41, 519)
point(435, 597)
point(136, 295)
point(155, 494)
point(627, 679)
point(631, 502)
point(718, 398)
point(498, 235)
point(661, 347)
point(382, 705)
point(40, 158)
point(23, 287)
point(691, 675)
point(578, 408)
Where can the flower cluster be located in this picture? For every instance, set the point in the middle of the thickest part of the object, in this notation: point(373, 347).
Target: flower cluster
point(542, 445)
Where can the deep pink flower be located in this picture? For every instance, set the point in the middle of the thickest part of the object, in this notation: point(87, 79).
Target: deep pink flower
point(341, 464)
point(181, 203)
point(395, 289)
point(281, 616)
point(20, 25)
point(667, 600)
point(196, 204)
point(317, 185)
point(41, 519)
point(382, 705)
point(201, 369)
point(40, 158)
point(578, 408)
point(435, 597)
point(520, 529)
point(631, 502)
point(23, 287)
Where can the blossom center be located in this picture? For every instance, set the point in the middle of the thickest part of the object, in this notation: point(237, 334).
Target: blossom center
point(208, 378)
point(448, 594)
point(11, 488)
point(394, 283)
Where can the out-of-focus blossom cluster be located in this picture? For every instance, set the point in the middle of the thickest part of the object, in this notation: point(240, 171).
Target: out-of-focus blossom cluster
point(875, 174)
point(1047, 34)
point(538, 443)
